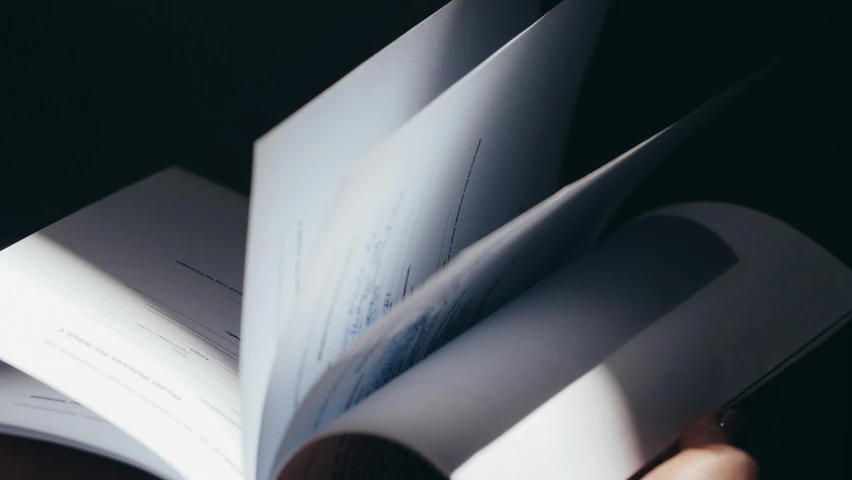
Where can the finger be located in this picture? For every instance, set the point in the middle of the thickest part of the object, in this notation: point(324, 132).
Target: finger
point(718, 427)
point(707, 454)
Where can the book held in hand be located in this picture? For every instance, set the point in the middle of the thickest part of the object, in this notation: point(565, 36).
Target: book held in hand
point(410, 292)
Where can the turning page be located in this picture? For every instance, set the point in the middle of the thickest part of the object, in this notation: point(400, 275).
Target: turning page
point(487, 149)
point(596, 369)
point(485, 276)
point(131, 307)
point(299, 166)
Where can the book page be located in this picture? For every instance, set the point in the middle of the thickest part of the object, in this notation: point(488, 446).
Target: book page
point(300, 165)
point(486, 150)
point(31, 409)
point(783, 296)
point(487, 275)
point(131, 307)
point(595, 370)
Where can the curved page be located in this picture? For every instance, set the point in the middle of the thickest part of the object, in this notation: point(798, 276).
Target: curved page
point(782, 296)
point(131, 307)
point(487, 149)
point(299, 165)
point(596, 369)
point(487, 275)
point(29, 408)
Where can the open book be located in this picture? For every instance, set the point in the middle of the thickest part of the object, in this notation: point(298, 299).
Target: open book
point(409, 293)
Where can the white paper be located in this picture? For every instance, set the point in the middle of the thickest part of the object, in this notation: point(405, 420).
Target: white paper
point(32, 409)
point(487, 275)
point(483, 152)
point(131, 307)
point(299, 166)
point(470, 392)
point(783, 293)
point(596, 369)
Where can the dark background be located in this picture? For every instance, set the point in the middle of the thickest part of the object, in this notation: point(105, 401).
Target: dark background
point(95, 95)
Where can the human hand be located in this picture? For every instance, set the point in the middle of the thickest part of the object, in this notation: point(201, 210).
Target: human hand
point(706, 452)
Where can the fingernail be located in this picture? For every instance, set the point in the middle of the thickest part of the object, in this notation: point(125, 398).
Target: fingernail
point(731, 422)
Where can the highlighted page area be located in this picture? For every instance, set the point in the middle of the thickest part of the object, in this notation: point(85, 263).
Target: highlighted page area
point(131, 307)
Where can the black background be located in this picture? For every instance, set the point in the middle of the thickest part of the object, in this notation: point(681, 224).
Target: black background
point(95, 95)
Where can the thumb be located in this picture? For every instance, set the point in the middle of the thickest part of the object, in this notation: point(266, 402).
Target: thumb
point(706, 452)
